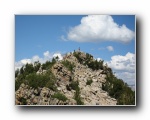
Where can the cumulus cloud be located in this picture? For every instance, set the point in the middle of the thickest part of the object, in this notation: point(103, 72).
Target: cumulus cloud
point(128, 77)
point(18, 65)
point(119, 62)
point(124, 66)
point(25, 61)
point(47, 56)
point(98, 28)
point(35, 58)
point(110, 48)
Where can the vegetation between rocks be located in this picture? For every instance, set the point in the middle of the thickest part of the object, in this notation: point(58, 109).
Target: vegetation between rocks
point(115, 87)
point(68, 65)
point(60, 96)
point(89, 82)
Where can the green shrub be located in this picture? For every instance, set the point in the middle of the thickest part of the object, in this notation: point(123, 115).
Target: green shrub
point(18, 81)
point(89, 61)
point(16, 73)
point(28, 69)
point(41, 80)
point(27, 74)
point(48, 64)
point(17, 84)
point(89, 82)
point(77, 55)
point(119, 90)
point(51, 85)
point(23, 101)
point(68, 65)
point(36, 81)
point(74, 85)
point(77, 97)
point(60, 96)
point(37, 66)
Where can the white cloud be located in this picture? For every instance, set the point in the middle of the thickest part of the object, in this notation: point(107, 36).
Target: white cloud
point(110, 48)
point(47, 56)
point(35, 58)
point(98, 28)
point(25, 61)
point(124, 66)
point(119, 62)
point(18, 65)
point(128, 77)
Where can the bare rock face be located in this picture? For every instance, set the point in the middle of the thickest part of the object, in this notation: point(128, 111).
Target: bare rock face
point(44, 97)
point(61, 72)
point(91, 94)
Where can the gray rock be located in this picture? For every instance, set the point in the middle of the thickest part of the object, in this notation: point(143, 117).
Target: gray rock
point(36, 91)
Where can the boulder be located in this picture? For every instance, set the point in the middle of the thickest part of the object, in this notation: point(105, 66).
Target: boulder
point(35, 91)
point(22, 85)
point(35, 100)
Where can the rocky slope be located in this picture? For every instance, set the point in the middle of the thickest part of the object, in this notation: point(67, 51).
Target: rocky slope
point(75, 85)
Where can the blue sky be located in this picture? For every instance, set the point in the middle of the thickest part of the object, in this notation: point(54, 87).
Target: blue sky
point(36, 34)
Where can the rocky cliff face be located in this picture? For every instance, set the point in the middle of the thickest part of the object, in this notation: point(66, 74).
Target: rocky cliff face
point(76, 85)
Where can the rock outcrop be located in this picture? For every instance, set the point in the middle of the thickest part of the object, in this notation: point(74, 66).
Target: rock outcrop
point(90, 93)
point(61, 72)
point(26, 95)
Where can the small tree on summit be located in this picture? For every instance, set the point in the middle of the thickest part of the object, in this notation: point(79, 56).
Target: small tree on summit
point(57, 58)
point(53, 60)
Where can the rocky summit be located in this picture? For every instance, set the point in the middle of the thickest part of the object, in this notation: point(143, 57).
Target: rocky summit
point(77, 79)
